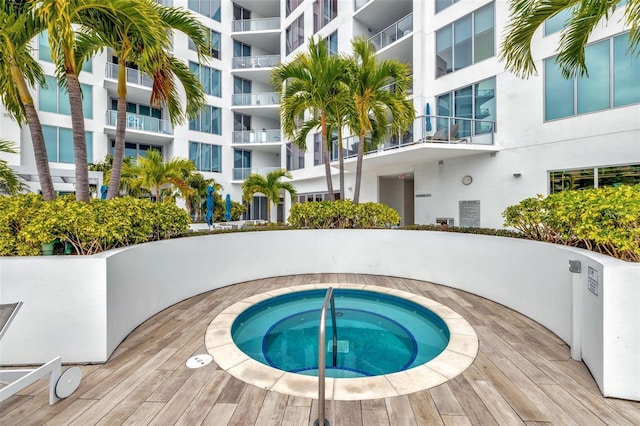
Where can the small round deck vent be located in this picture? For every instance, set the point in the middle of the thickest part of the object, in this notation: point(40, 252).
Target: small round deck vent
point(199, 361)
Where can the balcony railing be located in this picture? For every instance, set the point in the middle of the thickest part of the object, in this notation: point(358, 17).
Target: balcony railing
point(133, 76)
point(244, 172)
point(141, 122)
point(392, 33)
point(260, 24)
point(256, 99)
point(266, 61)
point(253, 136)
point(392, 87)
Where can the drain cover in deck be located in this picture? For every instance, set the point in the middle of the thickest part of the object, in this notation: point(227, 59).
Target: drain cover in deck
point(199, 361)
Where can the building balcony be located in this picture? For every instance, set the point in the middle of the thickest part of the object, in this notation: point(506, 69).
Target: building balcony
point(256, 137)
point(240, 174)
point(148, 128)
point(393, 33)
point(392, 88)
point(256, 99)
point(260, 24)
point(255, 62)
point(133, 76)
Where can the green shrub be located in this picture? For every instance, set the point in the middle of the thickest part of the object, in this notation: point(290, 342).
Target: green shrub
point(342, 214)
point(27, 222)
point(604, 220)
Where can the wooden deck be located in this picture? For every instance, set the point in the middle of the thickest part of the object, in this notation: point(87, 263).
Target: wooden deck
point(523, 374)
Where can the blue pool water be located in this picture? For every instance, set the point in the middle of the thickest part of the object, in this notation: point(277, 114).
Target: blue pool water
point(377, 333)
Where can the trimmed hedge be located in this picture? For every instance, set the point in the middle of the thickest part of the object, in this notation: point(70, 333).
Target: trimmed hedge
point(27, 222)
point(605, 220)
point(342, 214)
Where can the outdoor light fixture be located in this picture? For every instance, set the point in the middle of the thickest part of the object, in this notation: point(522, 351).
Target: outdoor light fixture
point(517, 174)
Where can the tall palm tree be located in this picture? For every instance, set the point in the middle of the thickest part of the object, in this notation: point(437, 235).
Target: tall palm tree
point(154, 175)
point(145, 44)
point(10, 182)
point(374, 104)
point(308, 85)
point(269, 185)
point(19, 71)
point(528, 15)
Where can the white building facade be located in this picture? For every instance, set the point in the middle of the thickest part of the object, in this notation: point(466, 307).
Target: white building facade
point(488, 140)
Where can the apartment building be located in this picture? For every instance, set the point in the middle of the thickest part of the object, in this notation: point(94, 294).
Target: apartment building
point(483, 139)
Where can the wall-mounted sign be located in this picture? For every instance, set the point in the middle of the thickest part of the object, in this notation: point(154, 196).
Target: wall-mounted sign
point(469, 213)
point(592, 277)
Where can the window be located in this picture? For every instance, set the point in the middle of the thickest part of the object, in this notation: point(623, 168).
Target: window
point(208, 121)
point(317, 149)
point(143, 110)
point(581, 95)
point(135, 150)
point(241, 164)
point(563, 180)
point(241, 122)
point(53, 98)
point(241, 91)
point(206, 157)
point(295, 34)
point(209, 77)
point(556, 22)
point(208, 8)
point(59, 144)
point(324, 11)
point(333, 43)
point(466, 41)
point(44, 51)
point(443, 4)
point(214, 44)
point(295, 157)
point(240, 13)
point(241, 50)
point(476, 103)
point(292, 5)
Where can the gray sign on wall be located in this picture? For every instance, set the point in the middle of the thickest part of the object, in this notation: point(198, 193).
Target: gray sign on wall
point(469, 213)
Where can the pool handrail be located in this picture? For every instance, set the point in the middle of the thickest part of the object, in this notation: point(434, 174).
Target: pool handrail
point(322, 332)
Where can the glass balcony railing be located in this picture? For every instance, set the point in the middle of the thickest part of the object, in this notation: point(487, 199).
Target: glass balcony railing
point(393, 33)
point(392, 87)
point(141, 122)
point(244, 172)
point(253, 136)
point(256, 99)
point(133, 76)
point(266, 61)
point(260, 24)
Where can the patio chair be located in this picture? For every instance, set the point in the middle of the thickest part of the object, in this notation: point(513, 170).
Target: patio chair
point(61, 384)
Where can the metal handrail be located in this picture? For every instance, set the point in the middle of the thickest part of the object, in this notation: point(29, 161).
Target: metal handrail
point(322, 332)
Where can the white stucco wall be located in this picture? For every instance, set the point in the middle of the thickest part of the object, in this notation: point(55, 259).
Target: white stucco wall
point(82, 307)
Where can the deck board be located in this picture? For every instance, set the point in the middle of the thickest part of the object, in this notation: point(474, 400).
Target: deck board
point(523, 375)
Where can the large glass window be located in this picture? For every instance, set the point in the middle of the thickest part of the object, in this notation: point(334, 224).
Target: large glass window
point(626, 73)
point(209, 77)
point(209, 8)
point(443, 4)
point(59, 144)
point(475, 103)
point(466, 41)
point(214, 44)
point(208, 121)
point(241, 50)
point(324, 11)
point(135, 150)
point(44, 51)
point(580, 95)
point(593, 177)
point(53, 98)
point(295, 34)
point(295, 157)
point(557, 21)
point(292, 5)
point(241, 164)
point(333, 43)
point(206, 157)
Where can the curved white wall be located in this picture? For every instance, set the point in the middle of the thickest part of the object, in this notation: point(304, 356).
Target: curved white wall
point(82, 307)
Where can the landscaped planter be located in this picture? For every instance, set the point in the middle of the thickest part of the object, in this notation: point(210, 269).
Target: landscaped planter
point(82, 307)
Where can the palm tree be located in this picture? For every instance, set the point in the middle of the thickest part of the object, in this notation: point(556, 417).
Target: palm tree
point(309, 84)
point(19, 71)
point(198, 193)
point(145, 44)
point(270, 186)
point(374, 103)
point(10, 182)
point(528, 15)
point(154, 175)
